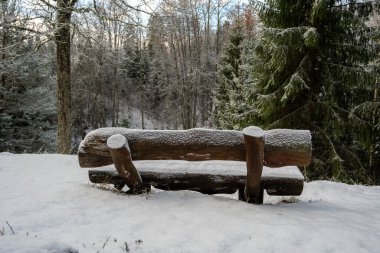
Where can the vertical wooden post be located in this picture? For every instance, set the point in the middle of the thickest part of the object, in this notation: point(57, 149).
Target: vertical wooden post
point(254, 138)
point(121, 156)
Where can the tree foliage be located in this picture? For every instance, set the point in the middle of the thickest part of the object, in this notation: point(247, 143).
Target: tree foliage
point(27, 112)
point(231, 108)
point(313, 71)
point(228, 79)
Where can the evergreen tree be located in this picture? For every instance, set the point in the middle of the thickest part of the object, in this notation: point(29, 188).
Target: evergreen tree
point(312, 72)
point(229, 70)
point(27, 103)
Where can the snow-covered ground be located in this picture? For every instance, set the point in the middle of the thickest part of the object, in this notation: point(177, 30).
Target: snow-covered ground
point(133, 115)
point(51, 207)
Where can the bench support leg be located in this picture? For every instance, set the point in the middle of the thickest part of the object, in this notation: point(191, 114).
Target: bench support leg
point(241, 193)
point(121, 157)
point(254, 138)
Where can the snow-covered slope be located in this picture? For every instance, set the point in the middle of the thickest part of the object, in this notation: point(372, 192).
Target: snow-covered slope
point(51, 207)
point(133, 115)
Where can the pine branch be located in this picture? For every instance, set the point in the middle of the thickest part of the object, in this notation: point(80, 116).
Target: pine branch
point(332, 146)
point(354, 156)
point(350, 113)
point(286, 117)
point(356, 69)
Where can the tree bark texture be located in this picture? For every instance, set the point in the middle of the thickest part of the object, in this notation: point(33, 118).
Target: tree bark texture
point(204, 183)
point(282, 147)
point(254, 138)
point(62, 41)
point(4, 40)
point(121, 157)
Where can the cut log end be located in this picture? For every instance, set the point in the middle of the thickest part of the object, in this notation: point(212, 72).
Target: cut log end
point(254, 131)
point(116, 141)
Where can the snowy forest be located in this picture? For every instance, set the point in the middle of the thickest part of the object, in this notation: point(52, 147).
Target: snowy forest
point(71, 66)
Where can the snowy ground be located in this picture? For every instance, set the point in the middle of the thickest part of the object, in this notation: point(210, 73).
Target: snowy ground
point(51, 207)
point(133, 115)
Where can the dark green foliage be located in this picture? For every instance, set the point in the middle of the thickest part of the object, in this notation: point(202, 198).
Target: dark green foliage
point(313, 72)
point(27, 101)
point(124, 123)
point(229, 71)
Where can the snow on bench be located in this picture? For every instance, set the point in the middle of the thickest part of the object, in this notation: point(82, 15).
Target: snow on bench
point(274, 148)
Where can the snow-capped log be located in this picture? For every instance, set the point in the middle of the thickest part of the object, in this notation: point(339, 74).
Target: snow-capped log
point(254, 138)
point(121, 157)
point(282, 146)
point(207, 183)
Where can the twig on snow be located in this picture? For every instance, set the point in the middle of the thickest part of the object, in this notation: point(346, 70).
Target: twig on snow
point(13, 232)
point(105, 243)
point(126, 247)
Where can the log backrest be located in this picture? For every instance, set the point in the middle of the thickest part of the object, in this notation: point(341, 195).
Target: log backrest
point(282, 147)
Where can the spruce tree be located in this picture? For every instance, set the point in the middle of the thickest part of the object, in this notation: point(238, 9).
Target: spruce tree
point(228, 80)
point(312, 72)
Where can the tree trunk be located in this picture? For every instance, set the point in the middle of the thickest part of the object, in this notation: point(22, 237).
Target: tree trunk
point(375, 147)
point(62, 41)
point(113, 96)
point(142, 109)
point(4, 39)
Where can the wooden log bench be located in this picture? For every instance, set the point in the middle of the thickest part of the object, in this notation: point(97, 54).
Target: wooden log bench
point(271, 159)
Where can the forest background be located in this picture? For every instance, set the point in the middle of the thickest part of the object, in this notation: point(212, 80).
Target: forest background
point(70, 66)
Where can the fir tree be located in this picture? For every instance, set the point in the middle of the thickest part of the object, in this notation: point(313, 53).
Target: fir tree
point(228, 80)
point(312, 72)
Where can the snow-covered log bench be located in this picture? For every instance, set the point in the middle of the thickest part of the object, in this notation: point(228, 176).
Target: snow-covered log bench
point(280, 148)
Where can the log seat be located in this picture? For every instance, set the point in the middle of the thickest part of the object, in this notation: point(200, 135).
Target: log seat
point(208, 177)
